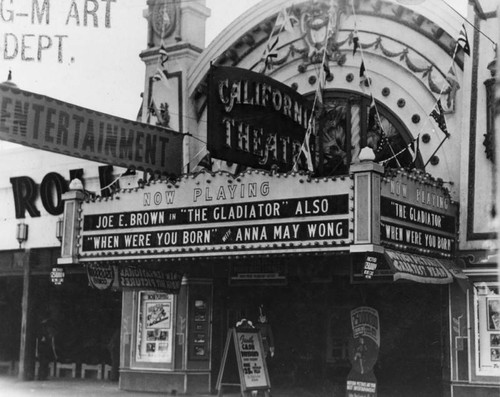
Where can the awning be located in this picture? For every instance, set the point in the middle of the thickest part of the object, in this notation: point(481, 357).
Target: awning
point(423, 269)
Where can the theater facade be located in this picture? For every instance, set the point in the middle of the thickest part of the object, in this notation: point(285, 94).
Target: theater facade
point(318, 187)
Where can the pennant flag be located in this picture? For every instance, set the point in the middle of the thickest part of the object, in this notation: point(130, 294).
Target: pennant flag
point(270, 55)
point(463, 41)
point(163, 55)
point(372, 113)
point(139, 113)
point(306, 151)
point(287, 20)
point(451, 78)
point(362, 74)
point(155, 111)
point(206, 162)
point(160, 76)
point(326, 68)
point(413, 149)
point(319, 95)
point(355, 43)
point(438, 115)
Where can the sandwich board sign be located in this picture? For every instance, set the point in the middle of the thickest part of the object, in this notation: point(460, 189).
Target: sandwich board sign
point(243, 363)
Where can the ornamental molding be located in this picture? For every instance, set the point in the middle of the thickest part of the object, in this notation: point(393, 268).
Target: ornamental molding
point(303, 38)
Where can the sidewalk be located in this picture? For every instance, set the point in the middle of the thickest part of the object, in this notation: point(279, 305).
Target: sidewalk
point(55, 387)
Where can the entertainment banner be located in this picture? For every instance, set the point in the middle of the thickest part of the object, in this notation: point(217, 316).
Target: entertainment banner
point(45, 123)
point(254, 120)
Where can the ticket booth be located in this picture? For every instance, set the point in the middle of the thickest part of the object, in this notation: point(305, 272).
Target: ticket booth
point(166, 339)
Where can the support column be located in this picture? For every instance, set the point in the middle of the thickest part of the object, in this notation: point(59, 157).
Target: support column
point(367, 176)
point(28, 328)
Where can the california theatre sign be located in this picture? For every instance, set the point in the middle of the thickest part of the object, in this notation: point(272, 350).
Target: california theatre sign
point(254, 120)
point(210, 215)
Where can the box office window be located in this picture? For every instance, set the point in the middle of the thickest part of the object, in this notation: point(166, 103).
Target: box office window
point(487, 315)
point(154, 342)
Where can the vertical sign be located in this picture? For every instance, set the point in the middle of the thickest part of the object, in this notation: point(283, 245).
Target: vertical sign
point(363, 352)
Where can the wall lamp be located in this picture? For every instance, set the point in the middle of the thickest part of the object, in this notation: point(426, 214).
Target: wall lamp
point(59, 228)
point(21, 233)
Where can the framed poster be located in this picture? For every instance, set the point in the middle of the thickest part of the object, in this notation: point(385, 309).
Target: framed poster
point(154, 327)
point(493, 314)
point(199, 329)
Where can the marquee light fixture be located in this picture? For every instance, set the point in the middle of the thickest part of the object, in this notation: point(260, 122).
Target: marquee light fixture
point(21, 233)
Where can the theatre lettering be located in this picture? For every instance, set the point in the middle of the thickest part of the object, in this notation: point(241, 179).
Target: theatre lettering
point(255, 120)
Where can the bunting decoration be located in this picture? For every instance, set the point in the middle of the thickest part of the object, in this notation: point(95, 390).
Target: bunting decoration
point(463, 41)
point(438, 115)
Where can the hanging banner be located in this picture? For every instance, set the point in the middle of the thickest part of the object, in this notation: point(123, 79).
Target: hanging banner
point(254, 120)
point(363, 352)
point(106, 276)
point(45, 123)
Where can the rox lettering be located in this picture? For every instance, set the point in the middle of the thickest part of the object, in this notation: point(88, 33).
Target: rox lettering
point(53, 186)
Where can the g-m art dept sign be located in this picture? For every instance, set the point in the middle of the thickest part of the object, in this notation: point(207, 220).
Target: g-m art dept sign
point(213, 215)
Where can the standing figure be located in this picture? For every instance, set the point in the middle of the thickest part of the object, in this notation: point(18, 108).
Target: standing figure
point(266, 332)
point(46, 347)
point(114, 353)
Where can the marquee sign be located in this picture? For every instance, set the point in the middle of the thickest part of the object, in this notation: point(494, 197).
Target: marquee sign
point(254, 120)
point(418, 214)
point(213, 215)
point(48, 124)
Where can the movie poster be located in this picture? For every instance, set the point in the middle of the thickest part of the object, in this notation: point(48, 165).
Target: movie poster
point(154, 336)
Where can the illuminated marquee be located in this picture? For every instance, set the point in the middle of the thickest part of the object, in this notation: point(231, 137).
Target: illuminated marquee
point(417, 214)
point(219, 215)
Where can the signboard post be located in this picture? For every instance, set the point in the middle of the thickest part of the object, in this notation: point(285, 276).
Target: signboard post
point(244, 353)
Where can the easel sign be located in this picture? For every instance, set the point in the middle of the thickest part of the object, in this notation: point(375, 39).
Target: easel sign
point(244, 353)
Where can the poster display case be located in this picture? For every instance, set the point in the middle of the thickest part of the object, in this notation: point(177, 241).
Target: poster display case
point(199, 329)
point(154, 342)
point(487, 308)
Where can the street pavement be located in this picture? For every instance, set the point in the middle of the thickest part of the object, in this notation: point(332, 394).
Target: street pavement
point(68, 387)
point(62, 387)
